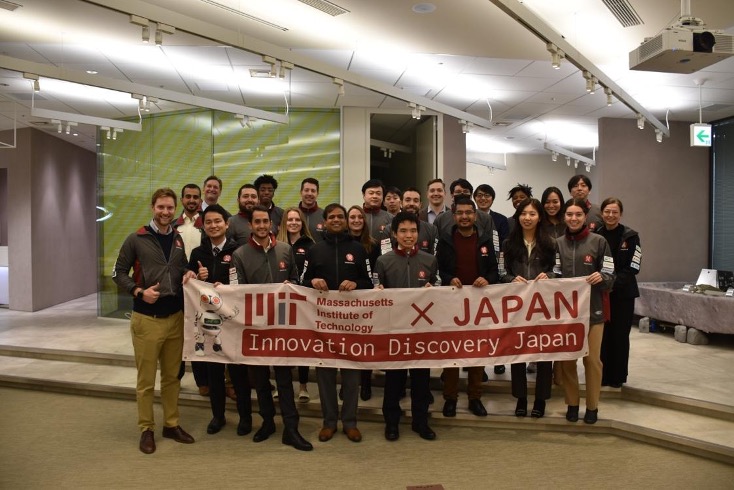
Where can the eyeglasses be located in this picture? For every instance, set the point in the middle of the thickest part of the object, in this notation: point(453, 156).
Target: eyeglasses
point(463, 193)
point(482, 195)
point(463, 213)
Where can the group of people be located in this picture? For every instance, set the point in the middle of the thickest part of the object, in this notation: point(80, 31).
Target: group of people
point(390, 241)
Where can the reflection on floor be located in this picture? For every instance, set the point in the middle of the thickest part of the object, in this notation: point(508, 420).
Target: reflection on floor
point(678, 395)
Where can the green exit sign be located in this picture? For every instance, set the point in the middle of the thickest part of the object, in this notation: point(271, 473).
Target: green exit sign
point(700, 134)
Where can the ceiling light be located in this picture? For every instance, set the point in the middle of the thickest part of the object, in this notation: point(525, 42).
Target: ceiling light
point(416, 110)
point(160, 29)
point(114, 132)
point(466, 126)
point(285, 66)
point(34, 81)
point(658, 136)
point(559, 150)
point(146, 34)
point(59, 127)
point(556, 55)
point(340, 83)
point(593, 81)
point(588, 168)
point(608, 92)
point(106, 128)
point(589, 81)
point(271, 61)
point(640, 121)
point(244, 120)
point(92, 72)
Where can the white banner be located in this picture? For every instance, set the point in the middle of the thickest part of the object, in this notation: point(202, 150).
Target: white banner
point(284, 324)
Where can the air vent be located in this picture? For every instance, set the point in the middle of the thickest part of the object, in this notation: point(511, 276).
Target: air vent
point(326, 7)
point(8, 5)
point(501, 124)
point(243, 14)
point(624, 12)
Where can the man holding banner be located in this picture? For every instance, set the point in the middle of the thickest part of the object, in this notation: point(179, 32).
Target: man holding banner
point(406, 267)
point(337, 263)
point(465, 257)
point(264, 260)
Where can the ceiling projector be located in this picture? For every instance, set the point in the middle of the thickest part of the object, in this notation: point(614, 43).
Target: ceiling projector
point(682, 49)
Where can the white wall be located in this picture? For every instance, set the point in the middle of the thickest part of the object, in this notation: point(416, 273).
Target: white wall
point(537, 171)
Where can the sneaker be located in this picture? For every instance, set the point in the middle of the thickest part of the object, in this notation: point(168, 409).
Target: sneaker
point(303, 396)
point(532, 368)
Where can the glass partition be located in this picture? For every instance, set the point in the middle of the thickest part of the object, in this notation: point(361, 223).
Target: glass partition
point(175, 149)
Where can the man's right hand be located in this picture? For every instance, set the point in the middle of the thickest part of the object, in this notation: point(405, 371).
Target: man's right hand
point(203, 272)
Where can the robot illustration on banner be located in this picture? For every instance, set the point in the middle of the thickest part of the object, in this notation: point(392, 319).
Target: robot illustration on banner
point(208, 323)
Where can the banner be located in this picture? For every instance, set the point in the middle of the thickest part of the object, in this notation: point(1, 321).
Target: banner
point(285, 324)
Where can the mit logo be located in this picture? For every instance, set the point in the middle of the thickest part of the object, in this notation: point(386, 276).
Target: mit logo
point(263, 306)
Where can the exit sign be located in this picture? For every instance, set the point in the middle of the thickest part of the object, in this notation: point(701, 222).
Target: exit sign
point(700, 134)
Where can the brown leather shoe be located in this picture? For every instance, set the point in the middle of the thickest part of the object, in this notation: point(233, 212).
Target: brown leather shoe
point(147, 442)
point(353, 434)
point(177, 434)
point(231, 394)
point(326, 433)
point(203, 390)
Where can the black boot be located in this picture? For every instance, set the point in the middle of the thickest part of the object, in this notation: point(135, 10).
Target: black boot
point(291, 437)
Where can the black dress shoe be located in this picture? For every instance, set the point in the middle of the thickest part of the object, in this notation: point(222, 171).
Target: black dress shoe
point(291, 437)
point(365, 393)
point(215, 425)
point(244, 427)
point(147, 442)
point(177, 434)
point(485, 376)
point(499, 369)
point(521, 409)
point(449, 408)
point(591, 416)
point(572, 413)
point(267, 430)
point(424, 432)
point(392, 433)
point(538, 409)
point(477, 408)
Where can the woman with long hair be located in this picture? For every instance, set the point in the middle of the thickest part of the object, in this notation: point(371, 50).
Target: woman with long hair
point(625, 245)
point(529, 254)
point(585, 254)
point(552, 201)
point(360, 232)
point(294, 232)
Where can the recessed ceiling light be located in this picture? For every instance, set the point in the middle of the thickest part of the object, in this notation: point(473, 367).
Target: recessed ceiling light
point(92, 72)
point(423, 8)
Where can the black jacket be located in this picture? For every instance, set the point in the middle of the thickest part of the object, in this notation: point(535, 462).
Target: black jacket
point(627, 259)
point(300, 249)
point(220, 266)
point(337, 258)
point(526, 266)
point(486, 258)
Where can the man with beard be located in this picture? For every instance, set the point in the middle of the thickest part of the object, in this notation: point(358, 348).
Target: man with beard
point(311, 210)
point(263, 260)
point(465, 257)
point(239, 224)
point(156, 254)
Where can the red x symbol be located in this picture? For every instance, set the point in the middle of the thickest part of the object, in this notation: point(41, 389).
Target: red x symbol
point(421, 314)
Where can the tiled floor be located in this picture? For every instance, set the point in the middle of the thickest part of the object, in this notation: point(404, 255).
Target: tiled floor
point(664, 376)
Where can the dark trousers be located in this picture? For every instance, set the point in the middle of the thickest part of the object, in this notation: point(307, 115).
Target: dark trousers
point(303, 374)
point(419, 395)
point(198, 368)
point(284, 382)
point(238, 373)
point(543, 380)
point(615, 344)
